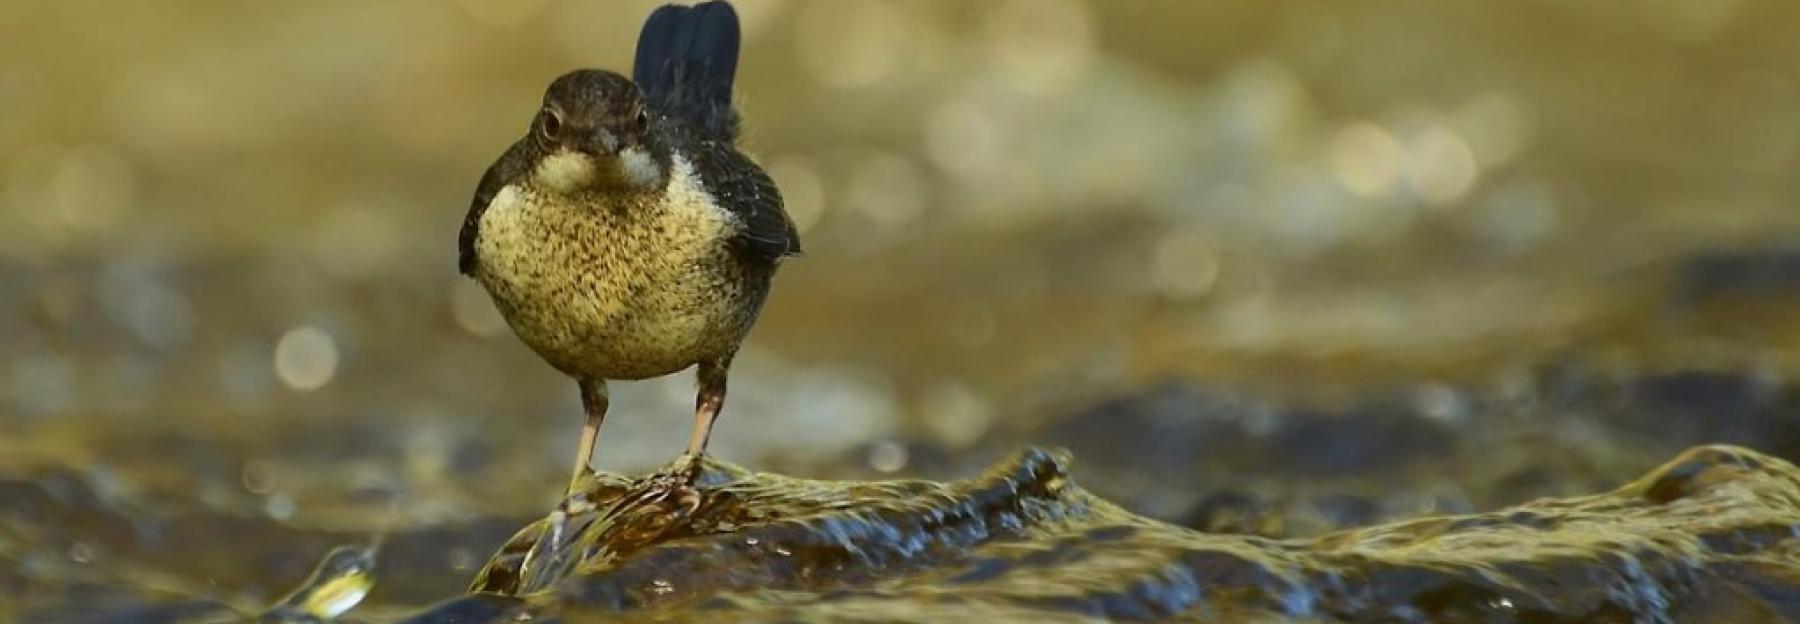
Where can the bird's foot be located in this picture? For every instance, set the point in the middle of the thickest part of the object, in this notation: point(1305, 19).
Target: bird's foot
point(675, 483)
point(576, 482)
point(688, 467)
point(663, 489)
point(684, 470)
point(575, 502)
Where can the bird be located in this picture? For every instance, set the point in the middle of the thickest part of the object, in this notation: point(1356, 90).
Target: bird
point(626, 236)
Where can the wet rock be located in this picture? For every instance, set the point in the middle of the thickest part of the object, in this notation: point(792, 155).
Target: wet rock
point(1767, 273)
point(1230, 511)
point(1709, 535)
point(1325, 444)
point(1668, 411)
point(1165, 450)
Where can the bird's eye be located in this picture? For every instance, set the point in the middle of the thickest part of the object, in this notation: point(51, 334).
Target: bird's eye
point(643, 118)
point(551, 125)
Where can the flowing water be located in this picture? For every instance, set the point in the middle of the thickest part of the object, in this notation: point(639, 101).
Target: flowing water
point(1709, 537)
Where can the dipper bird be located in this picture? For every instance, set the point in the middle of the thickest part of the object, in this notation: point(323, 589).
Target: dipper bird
point(625, 236)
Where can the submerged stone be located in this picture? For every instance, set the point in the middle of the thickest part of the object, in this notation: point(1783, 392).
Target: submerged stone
point(1710, 536)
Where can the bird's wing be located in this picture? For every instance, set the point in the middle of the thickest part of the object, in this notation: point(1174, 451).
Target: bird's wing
point(505, 169)
point(765, 232)
point(686, 61)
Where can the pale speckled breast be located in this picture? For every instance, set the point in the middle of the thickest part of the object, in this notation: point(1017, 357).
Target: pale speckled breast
point(618, 289)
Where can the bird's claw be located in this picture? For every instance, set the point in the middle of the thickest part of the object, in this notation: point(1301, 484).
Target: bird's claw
point(686, 497)
point(576, 502)
point(675, 483)
point(685, 470)
point(576, 482)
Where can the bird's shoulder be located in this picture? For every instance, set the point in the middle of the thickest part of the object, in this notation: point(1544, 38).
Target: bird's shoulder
point(507, 169)
point(764, 231)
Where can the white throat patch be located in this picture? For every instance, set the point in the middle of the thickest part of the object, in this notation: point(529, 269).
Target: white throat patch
point(640, 169)
point(566, 171)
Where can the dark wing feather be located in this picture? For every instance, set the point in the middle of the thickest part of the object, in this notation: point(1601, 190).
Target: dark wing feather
point(506, 169)
point(745, 189)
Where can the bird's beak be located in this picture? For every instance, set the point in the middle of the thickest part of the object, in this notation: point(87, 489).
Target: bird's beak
point(600, 142)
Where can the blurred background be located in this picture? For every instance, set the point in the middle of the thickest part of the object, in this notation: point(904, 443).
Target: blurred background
point(1275, 268)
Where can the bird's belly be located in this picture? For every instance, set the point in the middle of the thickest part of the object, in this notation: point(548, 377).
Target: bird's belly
point(574, 332)
point(611, 300)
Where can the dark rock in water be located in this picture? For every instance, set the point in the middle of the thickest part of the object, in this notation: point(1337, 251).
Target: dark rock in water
point(1709, 537)
point(1168, 451)
point(1671, 410)
point(1231, 512)
point(1769, 272)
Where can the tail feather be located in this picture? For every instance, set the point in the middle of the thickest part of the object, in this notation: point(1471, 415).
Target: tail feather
point(686, 61)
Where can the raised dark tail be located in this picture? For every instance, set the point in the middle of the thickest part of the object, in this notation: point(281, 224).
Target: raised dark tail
point(686, 60)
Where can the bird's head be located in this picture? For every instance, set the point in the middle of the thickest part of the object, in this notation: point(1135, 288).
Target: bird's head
point(595, 134)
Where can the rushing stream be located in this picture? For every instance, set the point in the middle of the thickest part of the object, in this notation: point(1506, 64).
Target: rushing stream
point(1712, 536)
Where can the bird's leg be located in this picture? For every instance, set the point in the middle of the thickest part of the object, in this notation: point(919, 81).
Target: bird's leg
point(707, 404)
point(676, 481)
point(593, 403)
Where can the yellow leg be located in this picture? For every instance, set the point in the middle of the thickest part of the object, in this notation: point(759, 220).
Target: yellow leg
point(706, 407)
point(593, 402)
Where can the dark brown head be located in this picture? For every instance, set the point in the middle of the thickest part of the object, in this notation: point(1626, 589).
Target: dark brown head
point(595, 134)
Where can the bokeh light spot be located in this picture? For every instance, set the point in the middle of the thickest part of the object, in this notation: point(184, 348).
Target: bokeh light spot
point(1497, 127)
point(306, 358)
point(1440, 167)
point(963, 140)
point(956, 415)
point(1365, 158)
point(1186, 264)
point(888, 456)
